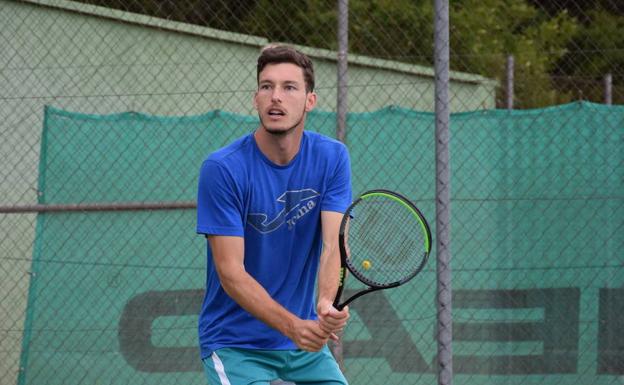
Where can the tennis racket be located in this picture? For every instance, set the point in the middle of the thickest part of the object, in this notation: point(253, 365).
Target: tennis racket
point(384, 242)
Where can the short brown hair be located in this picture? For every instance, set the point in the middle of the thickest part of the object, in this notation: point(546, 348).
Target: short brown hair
point(280, 53)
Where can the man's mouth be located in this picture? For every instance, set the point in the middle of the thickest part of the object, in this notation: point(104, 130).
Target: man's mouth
point(276, 112)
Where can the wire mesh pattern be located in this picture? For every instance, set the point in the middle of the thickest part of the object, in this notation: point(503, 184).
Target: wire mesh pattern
point(108, 107)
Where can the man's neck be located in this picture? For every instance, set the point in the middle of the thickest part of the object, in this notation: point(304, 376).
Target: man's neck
point(279, 149)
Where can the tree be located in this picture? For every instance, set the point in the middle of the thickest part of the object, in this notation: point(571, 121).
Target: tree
point(310, 22)
point(598, 49)
point(483, 33)
point(220, 14)
point(391, 29)
point(562, 48)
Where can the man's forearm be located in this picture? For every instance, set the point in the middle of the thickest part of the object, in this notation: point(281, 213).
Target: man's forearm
point(247, 292)
point(252, 297)
point(329, 268)
point(329, 274)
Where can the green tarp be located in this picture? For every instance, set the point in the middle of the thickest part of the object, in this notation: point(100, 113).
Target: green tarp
point(537, 245)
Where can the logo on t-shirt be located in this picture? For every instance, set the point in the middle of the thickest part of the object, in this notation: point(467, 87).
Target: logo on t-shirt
point(297, 203)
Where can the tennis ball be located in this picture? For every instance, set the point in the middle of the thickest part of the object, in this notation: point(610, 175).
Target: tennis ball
point(366, 264)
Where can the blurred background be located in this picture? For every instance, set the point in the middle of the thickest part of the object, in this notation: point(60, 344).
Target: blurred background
point(107, 109)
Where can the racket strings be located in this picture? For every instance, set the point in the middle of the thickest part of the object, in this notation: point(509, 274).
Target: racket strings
point(386, 240)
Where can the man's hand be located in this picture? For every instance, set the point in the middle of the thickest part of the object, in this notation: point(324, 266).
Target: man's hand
point(308, 335)
point(330, 319)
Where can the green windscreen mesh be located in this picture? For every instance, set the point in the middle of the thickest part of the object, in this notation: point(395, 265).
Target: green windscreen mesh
point(537, 235)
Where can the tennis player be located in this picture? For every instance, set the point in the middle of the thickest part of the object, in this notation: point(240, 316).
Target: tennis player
point(270, 205)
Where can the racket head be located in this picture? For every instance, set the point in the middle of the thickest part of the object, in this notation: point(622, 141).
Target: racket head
point(384, 239)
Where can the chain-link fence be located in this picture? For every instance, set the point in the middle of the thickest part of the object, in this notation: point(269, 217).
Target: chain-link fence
point(107, 109)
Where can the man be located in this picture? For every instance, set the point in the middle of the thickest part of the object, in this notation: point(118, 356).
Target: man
point(270, 204)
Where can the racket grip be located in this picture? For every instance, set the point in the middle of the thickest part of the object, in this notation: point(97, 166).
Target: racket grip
point(341, 282)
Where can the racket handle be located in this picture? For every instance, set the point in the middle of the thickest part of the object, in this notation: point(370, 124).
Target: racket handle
point(341, 282)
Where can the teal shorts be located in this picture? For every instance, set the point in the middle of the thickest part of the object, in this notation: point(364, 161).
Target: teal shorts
point(234, 366)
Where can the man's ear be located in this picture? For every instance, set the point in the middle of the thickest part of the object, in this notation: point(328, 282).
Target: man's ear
point(254, 102)
point(310, 101)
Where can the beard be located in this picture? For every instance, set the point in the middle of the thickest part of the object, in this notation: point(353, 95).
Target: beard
point(281, 131)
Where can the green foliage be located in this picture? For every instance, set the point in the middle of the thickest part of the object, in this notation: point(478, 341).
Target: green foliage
point(560, 53)
point(605, 35)
point(392, 29)
point(598, 50)
point(213, 13)
point(310, 22)
point(485, 32)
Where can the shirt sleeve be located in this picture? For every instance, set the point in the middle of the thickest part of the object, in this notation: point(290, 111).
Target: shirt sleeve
point(219, 205)
point(338, 194)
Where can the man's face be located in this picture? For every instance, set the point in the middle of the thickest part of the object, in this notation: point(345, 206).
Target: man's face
point(281, 98)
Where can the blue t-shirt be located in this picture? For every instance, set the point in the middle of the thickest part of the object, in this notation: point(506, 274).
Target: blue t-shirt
point(277, 209)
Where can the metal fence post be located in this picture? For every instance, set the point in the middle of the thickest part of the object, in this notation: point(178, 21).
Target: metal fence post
point(341, 110)
point(510, 83)
point(443, 209)
point(343, 47)
point(608, 92)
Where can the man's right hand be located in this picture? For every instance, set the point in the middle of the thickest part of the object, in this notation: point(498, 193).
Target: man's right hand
point(308, 335)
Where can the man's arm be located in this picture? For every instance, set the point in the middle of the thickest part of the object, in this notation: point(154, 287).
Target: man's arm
point(330, 319)
point(228, 254)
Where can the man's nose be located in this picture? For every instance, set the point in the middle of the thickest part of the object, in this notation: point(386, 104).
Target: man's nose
point(276, 95)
